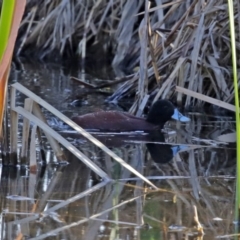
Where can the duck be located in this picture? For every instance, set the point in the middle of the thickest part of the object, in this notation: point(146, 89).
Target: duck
point(116, 121)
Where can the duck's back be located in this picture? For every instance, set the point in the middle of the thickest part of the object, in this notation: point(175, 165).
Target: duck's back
point(113, 121)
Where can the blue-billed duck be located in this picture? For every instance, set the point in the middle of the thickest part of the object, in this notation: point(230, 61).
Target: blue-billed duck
point(160, 112)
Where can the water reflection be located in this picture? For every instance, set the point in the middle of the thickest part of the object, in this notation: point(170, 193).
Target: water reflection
point(72, 202)
point(69, 202)
point(154, 142)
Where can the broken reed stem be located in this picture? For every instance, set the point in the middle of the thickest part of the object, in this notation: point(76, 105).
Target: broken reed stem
point(206, 98)
point(54, 144)
point(195, 217)
point(143, 35)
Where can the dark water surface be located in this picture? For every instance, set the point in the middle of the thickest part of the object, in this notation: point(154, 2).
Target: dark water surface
point(193, 170)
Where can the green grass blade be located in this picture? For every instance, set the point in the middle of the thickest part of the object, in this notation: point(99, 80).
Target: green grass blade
point(5, 23)
point(235, 79)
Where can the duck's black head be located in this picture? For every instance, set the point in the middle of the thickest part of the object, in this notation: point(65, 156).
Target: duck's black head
point(162, 111)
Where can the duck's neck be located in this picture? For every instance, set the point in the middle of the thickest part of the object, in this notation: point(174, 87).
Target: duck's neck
point(151, 118)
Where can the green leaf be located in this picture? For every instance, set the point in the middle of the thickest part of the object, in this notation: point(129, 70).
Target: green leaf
point(5, 23)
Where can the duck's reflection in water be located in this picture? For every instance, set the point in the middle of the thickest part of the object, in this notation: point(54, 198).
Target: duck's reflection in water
point(160, 151)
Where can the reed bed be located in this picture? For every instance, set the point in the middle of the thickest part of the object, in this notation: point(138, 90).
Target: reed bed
point(184, 43)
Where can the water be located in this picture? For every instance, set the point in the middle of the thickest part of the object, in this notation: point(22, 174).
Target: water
point(72, 202)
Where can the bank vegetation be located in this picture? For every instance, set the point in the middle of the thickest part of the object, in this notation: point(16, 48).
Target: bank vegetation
point(153, 46)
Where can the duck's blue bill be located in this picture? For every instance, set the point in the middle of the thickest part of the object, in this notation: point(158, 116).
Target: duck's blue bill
point(176, 149)
point(179, 117)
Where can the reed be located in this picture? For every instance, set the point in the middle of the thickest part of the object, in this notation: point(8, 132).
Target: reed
point(5, 27)
point(187, 43)
point(5, 24)
point(11, 16)
point(235, 80)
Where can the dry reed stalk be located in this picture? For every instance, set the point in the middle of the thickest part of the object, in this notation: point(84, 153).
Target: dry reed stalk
point(201, 39)
point(206, 98)
point(143, 35)
point(194, 30)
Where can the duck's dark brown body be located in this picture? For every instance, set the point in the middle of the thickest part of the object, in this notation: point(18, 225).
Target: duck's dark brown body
point(160, 112)
point(113, 121)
